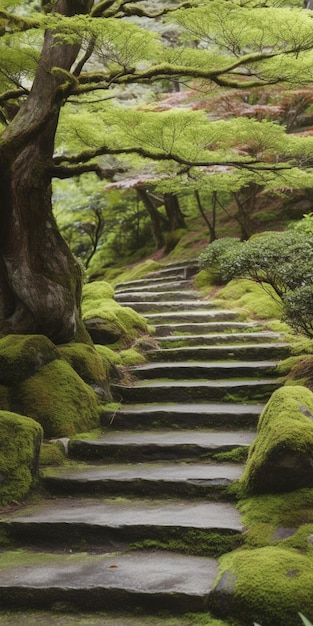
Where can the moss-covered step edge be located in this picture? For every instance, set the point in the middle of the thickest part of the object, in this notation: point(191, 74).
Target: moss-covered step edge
point(191, 391)
point(205, 327)
point(154, 284)
point(214, 339)
point(147, 446)
point(154, 305)
point(179, 415)
point(184, 480)
point(223, 352)
point(204, 529)
point(158, 296)
point(205, 369)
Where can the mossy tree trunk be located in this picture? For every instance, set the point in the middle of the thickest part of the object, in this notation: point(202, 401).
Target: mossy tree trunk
point(40, 281)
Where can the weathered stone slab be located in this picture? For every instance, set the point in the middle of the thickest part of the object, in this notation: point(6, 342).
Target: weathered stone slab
point(192, 415)
point(180, 480)
point(150, 446)
point(205, 369)
point(90, 582)
point(190, 391)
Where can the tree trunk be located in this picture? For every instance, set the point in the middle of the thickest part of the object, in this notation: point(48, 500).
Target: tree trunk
point(155, 218)
point(173, 212)
point(40, 281)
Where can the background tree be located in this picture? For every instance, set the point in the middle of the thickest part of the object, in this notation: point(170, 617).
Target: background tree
point(61, 69)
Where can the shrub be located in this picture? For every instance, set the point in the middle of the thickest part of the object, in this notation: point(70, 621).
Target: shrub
point(280, 262)
point(212, 256)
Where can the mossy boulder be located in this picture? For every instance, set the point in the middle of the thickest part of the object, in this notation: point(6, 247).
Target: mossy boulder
point(267, 585)
point(22, 356)
point(89, 365)
point(55, 387)
point(20, 439)
point(281, 457)
point(58, 399)
point(106, 320)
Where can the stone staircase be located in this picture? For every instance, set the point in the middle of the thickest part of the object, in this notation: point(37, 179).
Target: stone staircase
point(142, 514)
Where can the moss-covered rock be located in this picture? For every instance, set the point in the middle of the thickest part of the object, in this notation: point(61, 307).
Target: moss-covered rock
point(268, 585)
point(281, 457)
point(106, 320)
point(20, 439)
point(51, 453)
point(22, 356)
point(89, 365)
point(58, 399)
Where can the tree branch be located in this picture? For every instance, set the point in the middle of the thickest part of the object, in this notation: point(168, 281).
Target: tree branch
point(87, 155)
point(105, 9)
point(13, 94)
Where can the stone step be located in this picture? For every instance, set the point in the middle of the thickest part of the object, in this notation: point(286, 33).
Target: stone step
point(176, 270)
point(111, 524)
point(130, 447)
point(185, 328)
point(158, 297)
point(191, 391)
point(91, 582)
point(179, 415)
point(232, 352)
point(215, 315)
point(204, 369)
point(153, 284)
point(150, 306)
point(179, 480)
point(219, 338)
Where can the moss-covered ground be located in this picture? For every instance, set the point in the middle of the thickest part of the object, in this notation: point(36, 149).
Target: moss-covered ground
point(59, 618)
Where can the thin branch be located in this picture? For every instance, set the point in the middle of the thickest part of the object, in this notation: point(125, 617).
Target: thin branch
point(86, 57)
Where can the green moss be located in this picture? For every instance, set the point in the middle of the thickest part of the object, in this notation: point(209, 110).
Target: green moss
point(279, 458)
point(86, 361)
point(58, 399)
point(109, 357)
point(22, 356)
point(195, 542)
point(134, 273)
point(245, 294)
point(20, 439)
point(284, 367)
point(269, 585)
point(51, 454)
point(123, 322)
point(263, 515)
point(204, 281)
point(132, 357)
point(238, 455)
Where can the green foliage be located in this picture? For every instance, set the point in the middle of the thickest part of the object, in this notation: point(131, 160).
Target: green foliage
point(280, 262)
point(211, 258)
